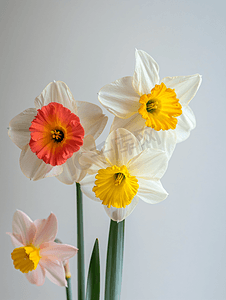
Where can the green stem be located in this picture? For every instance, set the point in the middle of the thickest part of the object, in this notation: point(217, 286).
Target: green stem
point(80, 245)
point(113, 276)
point(68, 289)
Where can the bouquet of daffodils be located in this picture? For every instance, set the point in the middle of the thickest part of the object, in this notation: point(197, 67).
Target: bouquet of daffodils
point(57, 139)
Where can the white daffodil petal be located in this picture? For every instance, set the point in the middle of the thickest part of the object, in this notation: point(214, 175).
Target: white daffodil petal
point(92, 118)
point(134, 124)
point(68, 174)
point(35, 168)
point(164, 140)
point(186, 122)
point(87, 185)
point(72, 170)
point(59, 92)
point(121, 145)
point(19, 127)
point(185, 86)
point(88, 158)
point(149, 163)
point(119, 214)
point(120, 98)
point(146, 74)
point(151, 191)
point(92, 161)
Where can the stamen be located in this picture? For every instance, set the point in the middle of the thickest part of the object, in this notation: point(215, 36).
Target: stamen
point(119, 177)
point(151, 106)
point(57, 135)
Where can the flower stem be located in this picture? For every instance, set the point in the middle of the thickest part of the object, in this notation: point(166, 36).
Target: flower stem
point(68, 289)
point(68, 278)
point(80, 245)
point(113, 279)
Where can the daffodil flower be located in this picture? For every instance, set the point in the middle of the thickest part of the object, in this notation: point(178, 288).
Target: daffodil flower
point(121, 174)
point(51, 134)
point(36, 254)
point(153, 109)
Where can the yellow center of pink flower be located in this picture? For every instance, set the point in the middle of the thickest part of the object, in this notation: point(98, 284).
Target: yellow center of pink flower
point(26, 258)
point(56, 133)
point(160, 108)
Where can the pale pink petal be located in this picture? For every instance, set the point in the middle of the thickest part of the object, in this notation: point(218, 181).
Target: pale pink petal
point(46, 230)
point(119, 214)
point(54, 271)
point(92, 118)
point(36, 276)
point(59, 92)
point(185, 86)
point(120, 98)
point(60, 251)
point(19, 127)
point(35, 168)
point(16, 240)
point(146, 73)
point(23, 228)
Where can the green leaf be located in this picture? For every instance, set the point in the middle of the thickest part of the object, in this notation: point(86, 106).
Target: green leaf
point(93, 280)
point(113, 280)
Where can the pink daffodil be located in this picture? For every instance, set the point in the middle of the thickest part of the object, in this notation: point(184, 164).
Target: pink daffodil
point(36, 254)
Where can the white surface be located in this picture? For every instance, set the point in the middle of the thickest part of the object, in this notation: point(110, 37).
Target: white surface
point(174, 250)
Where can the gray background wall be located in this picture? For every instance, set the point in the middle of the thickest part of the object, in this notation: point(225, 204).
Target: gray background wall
point(174, 250)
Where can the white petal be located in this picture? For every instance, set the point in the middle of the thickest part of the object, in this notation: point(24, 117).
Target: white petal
point(36, 276)
point(121, 145)
point(92, 161)
point(164, 140)
point(59, 92)
point(87, 185)
point(46, 230)
point(54, 271)
point(151, 191)
point(146, 73)
point(73, 170)
point(92, 118)
point(61, 252)
point(23, 228)
point(35, 168)
point(19, 127)
point(69, 174)
point(16, 240)
point(119, 214)
point(149, 163)
point(120, 98)
point(185, 86)
point(134, 124)
point(186, 122)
